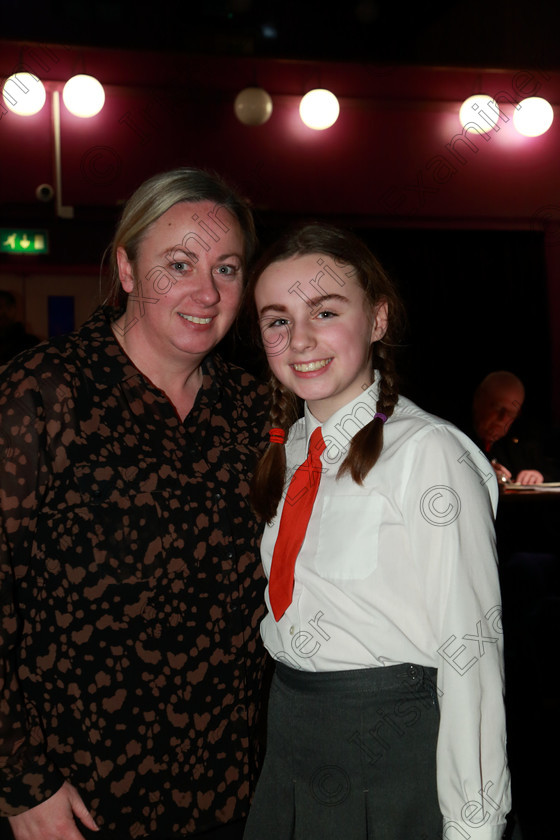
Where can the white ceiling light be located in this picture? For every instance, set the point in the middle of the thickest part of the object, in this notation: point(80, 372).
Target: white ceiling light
point(253, 106)
point(24, 94)
point(480, 110)
point(533, 116)
point(83, 96)
point(319, 109)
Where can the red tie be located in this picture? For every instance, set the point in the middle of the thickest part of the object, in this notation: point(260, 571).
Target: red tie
point(293, 525)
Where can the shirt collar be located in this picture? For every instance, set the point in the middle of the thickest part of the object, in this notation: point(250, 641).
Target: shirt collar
point(98, 342)
point(351, 417)
point(97, 335)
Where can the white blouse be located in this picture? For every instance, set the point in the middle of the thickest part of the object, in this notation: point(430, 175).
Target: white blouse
point(403, 569)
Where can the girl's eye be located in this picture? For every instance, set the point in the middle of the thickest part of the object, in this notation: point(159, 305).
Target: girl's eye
point(325, 314)
point(266, 323)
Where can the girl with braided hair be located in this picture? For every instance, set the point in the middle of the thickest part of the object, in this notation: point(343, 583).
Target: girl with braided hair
point(386, 715)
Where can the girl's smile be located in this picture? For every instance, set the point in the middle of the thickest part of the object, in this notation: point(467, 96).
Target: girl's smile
point(318, 345)
point(304, 368)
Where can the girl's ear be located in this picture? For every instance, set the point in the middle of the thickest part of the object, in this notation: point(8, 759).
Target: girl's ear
point(380, 321)
point(126, 275)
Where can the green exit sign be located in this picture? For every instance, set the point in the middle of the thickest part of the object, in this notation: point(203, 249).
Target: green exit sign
point(19, 241)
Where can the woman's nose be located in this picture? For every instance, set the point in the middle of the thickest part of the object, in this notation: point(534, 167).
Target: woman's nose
point(206, 290)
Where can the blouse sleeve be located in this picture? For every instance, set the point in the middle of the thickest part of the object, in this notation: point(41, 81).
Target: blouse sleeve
point(451, 502)
point(27, 777)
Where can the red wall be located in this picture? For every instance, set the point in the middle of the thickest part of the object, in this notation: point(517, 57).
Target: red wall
point(393, 157)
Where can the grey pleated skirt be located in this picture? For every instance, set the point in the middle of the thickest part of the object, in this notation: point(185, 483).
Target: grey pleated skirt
point(351, 755)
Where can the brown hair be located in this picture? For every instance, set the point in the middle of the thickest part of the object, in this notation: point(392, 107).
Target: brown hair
point(346, 249)
point(156, 196)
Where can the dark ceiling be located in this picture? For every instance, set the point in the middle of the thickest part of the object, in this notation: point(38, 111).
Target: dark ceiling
point(491, 33)
point(390, 167)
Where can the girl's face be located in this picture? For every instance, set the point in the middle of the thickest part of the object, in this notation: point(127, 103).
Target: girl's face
point(317, 328)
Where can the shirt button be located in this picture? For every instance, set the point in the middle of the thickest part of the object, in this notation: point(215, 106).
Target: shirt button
point(292, 630)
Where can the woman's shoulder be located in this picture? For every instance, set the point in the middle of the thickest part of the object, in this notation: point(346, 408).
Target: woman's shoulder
point(53, 362)
point(33, 364)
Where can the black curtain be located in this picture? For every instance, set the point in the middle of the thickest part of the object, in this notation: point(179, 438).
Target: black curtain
point(476, 301)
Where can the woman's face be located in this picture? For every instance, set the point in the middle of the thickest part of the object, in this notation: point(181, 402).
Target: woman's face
point(317, 328)
point(184, 288)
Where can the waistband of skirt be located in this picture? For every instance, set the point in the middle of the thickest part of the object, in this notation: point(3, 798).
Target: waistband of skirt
point(382, 678)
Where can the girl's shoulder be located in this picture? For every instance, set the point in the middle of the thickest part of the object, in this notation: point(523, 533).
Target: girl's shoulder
point(407, 411)
point(410, 422)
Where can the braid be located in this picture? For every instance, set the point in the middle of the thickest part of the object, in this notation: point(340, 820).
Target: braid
point(367, 444)
point(267, 484)
point(384, 361)
point(284, 407)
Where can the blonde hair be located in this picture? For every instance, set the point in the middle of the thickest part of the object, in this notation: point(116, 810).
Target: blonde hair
point(157, 195)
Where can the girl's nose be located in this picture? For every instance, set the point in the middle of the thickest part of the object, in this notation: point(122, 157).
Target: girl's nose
point(301, 337)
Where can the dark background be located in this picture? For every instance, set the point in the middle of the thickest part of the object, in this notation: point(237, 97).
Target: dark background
point(476, 259)
point(474, 248)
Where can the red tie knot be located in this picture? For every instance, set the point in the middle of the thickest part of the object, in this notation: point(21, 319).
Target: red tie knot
point(316, 443)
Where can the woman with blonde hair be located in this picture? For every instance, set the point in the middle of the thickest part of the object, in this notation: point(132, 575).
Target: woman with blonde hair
point(130, 660)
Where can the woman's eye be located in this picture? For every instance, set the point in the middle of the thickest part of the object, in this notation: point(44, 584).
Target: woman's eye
point(179, 266)
point(325, 314)
point(228, 269)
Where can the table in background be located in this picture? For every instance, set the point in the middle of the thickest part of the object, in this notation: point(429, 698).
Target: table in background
point(528, 539)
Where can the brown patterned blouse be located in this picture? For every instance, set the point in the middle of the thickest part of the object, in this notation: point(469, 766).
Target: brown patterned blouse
point(130, 588)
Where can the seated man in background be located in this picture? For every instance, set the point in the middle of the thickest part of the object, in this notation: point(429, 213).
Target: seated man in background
point(497, 403)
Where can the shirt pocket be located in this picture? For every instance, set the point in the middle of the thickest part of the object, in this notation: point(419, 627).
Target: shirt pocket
point(347, 547)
